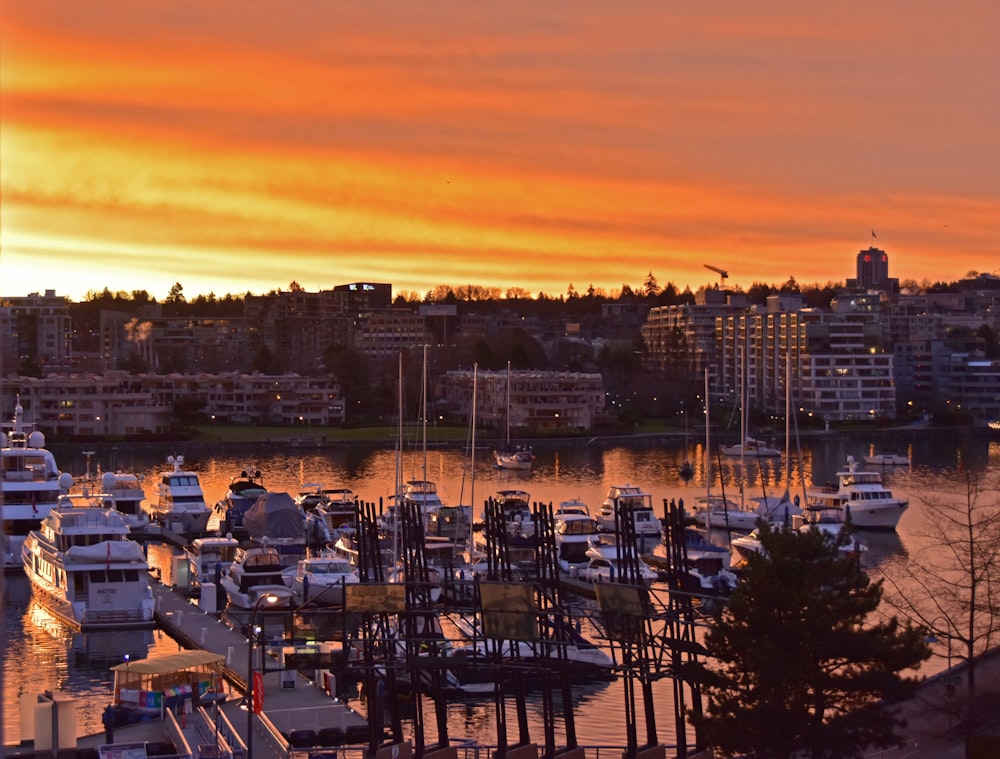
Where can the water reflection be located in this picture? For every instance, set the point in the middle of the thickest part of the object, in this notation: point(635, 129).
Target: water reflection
point(40, 655)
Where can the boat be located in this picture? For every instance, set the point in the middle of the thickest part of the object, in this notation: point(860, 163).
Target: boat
point(321, 579)
point(706, 564)
point(514, 533)
point(338, 507)
point(85, 568)
point(30, 484)
point(517, 458)
point(275, 520)
point(716, 512)
point(750, 448)
point(146, 688)
point(126, 489)
point(887, 458)
point(255, 572)
point(606, 564)
point(832, 522)
point(511, 456)
point(424, 494)
point(861, 496)
point(243, 491)
point(632, 503)
point(209, 556)
point(575, 529)
point(776, 509)
point(827, 520)
point(514, 507)
point(473, 659)
point(451, 522)
point(180, 504)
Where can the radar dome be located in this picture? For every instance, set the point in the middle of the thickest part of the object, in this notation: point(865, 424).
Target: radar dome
point(108, 481)
point(36, 440)
point(65, 481)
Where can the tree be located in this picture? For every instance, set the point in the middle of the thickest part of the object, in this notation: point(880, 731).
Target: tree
point(353, 372)
point(650, 288)
point(949, 582)
point(794, 662)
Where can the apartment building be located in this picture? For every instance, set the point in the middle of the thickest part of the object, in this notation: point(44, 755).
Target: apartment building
point(537, 400)
point(35, 327)
point(116, 403)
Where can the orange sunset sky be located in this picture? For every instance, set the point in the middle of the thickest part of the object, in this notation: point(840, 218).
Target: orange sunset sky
point(237, 146)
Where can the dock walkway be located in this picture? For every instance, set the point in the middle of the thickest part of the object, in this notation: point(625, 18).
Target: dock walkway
point(292, 705)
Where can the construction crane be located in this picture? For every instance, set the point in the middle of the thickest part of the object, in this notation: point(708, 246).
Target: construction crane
point(723, 274)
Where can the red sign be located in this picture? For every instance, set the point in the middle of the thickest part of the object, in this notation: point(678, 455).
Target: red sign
point(258, 692)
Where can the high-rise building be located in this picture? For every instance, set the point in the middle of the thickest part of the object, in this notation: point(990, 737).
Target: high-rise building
point(873, 272)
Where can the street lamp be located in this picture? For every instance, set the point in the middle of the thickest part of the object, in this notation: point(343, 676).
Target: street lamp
point(252, 705)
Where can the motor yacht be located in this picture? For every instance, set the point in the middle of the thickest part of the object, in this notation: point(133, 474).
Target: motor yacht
point(85, 568)
point(180, 503)
point(30, 484)
point(632, 503)
point(254, 573)
point(861, 497)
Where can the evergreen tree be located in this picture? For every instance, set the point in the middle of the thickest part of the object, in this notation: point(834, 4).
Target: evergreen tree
point(794, 663)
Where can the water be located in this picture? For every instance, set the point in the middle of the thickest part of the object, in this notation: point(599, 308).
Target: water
point(42, 654)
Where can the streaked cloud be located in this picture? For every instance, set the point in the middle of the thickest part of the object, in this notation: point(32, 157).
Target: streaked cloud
point(237, 146)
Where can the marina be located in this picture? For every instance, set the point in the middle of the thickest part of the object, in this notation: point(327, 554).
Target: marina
point(556, 477)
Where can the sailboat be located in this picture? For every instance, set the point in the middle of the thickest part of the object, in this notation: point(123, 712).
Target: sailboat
point(748, 446)
point(512, 457)
point(717, 511)
point(686, 470)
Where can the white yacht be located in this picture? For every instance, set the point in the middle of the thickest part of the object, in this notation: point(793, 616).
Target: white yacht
point(606, 564)
point(30, 484)
point(321, 579)
point(861, 497)
point(85, 568)
point(255, 572)
point(716, 512)
point(180, 503)
point(630, 502)
point(514, 506)
point(130, 498)
point(575, 529)
point(209, 557)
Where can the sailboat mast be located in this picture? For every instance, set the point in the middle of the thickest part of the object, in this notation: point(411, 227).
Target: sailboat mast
point(423, 397)
point(708, 441)
point(472, 456)
point(507, 406)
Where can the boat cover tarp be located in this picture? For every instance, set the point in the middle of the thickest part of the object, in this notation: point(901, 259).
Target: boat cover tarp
point(159, 665)
point(107, 551)
point(275, 516)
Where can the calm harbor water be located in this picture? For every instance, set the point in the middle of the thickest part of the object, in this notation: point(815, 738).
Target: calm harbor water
point(40, 653)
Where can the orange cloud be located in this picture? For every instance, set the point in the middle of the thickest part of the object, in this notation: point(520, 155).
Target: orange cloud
point(241, 146)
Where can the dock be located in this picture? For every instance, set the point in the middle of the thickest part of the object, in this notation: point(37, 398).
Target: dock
point(296, 712)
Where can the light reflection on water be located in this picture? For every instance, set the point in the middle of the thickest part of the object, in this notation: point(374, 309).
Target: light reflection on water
point(42, 654)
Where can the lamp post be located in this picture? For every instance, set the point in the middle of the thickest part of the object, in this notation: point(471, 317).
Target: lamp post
point(252, 635)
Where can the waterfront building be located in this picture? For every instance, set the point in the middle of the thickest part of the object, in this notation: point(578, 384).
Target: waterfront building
point(538, 400)
point(120, 404)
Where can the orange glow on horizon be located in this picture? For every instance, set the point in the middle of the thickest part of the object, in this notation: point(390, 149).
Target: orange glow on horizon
point(236, 148)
